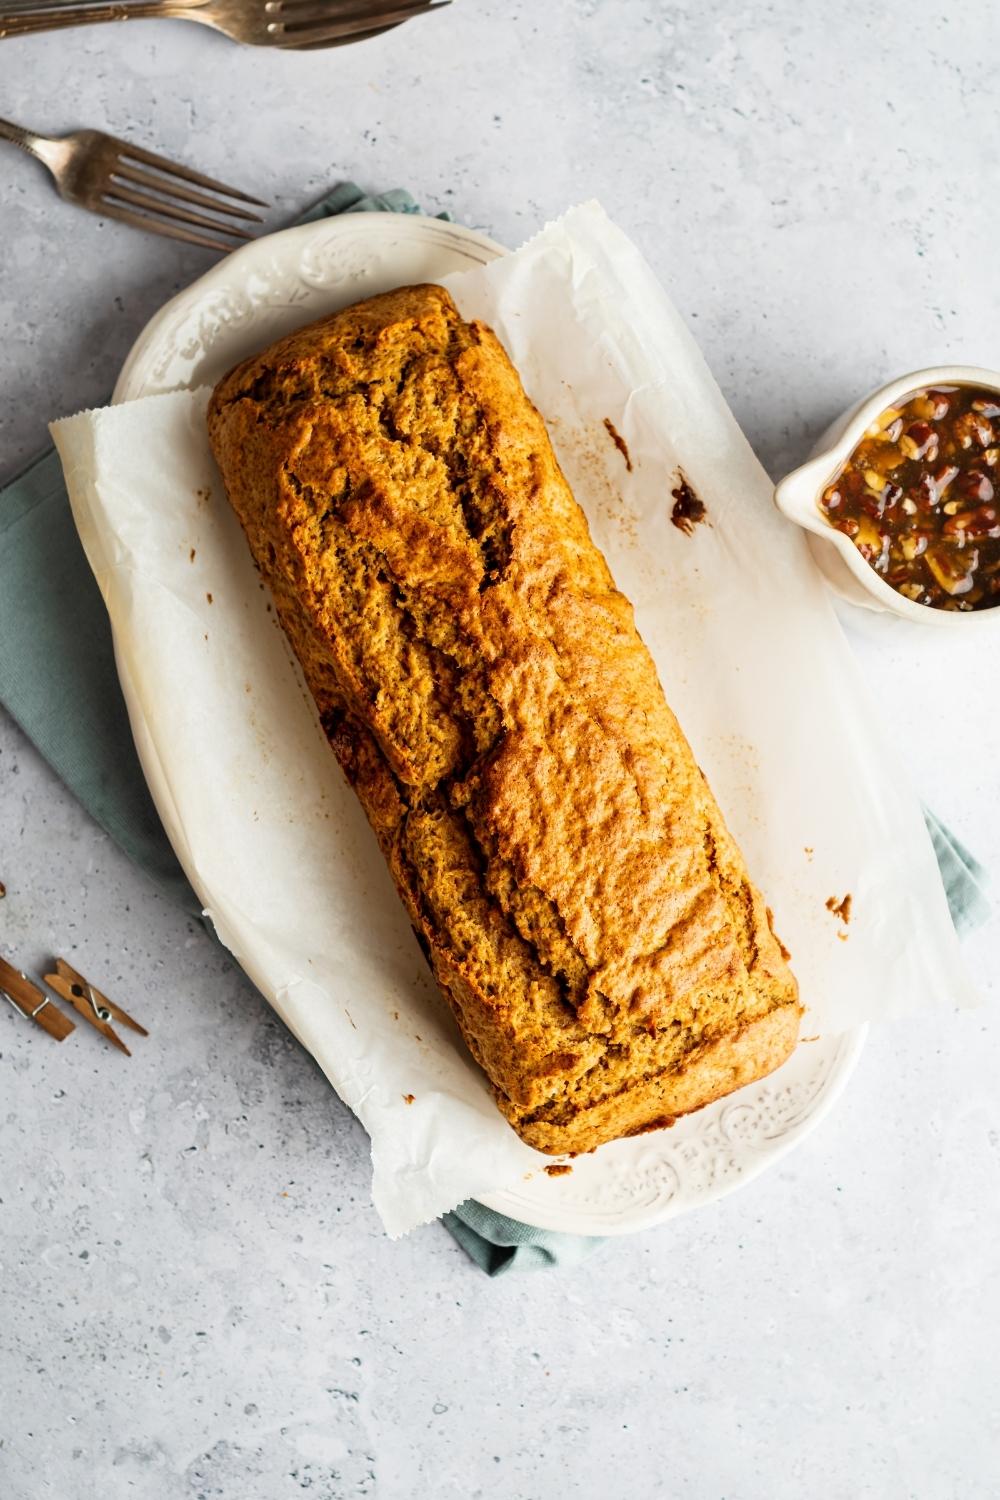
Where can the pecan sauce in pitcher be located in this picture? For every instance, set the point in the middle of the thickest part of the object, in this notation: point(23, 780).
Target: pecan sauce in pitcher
point(920, 497)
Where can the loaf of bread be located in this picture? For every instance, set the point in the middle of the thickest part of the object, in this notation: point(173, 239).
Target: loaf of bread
point(562, 859)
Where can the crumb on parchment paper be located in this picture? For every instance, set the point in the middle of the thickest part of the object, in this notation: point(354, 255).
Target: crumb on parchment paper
point(688, 510)
point(840, 909)
point(558, 1169)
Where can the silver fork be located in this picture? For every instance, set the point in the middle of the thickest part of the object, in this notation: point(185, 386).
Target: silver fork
point(260, 23)
point(122, 181)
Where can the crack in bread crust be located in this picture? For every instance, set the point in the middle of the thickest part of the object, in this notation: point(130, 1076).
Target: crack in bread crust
point(483, 684)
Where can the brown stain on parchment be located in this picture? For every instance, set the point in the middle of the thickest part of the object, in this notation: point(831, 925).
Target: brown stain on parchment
point(619, 442)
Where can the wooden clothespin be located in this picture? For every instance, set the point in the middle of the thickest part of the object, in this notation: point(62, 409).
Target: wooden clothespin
point(28, 1000)
point(94, 1007)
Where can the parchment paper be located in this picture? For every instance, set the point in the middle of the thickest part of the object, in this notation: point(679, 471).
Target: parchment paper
point(750, 653)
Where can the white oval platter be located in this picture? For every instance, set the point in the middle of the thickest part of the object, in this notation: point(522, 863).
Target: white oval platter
point(254, 296)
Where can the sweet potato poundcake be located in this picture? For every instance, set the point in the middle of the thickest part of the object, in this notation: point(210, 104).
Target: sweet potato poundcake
point(481, 680)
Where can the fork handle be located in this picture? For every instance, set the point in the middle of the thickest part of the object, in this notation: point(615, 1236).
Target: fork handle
point(94, 15)
point(26, 139)
point(42, 147)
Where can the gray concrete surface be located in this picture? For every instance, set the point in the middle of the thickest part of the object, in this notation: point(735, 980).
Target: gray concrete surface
point(197, 1299)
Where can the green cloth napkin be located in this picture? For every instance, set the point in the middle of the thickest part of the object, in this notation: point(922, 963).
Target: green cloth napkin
point(498, 1244)
point(58, 680)
point(965, 880)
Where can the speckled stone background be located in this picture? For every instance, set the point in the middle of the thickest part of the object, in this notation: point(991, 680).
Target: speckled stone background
point(197, 1298)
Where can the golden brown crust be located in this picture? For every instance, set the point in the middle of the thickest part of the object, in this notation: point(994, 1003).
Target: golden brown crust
point(653, 1103)
point(483, 684)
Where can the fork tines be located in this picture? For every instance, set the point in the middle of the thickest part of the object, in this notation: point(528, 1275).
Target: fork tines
point(151, 192)
point(312, 22)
